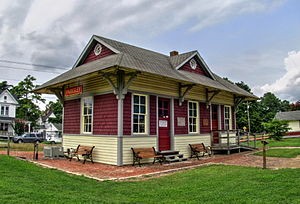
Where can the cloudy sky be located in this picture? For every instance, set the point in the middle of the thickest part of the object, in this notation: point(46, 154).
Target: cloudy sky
point(255, 41)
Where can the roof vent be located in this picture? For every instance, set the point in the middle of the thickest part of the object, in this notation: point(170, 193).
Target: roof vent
point(174, 53)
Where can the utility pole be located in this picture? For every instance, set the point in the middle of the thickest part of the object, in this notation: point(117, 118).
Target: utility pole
point(248, 122)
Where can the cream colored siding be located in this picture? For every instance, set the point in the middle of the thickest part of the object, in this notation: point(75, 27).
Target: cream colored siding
point(181, 143)
point(294, 125)
point(105, 146)
point(157, 85)
point(138, 141)
point(92, 86)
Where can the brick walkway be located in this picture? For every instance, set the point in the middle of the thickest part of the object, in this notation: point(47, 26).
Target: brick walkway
point(109, 172)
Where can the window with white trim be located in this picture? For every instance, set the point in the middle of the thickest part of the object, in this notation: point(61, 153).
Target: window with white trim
point(87, 114)
point(3, 127)
point(227, 118)
point(139, 113)
point(5, 110)
point(193, 117)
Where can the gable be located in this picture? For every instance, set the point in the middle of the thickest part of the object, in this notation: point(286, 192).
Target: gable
point(9, 98)
point(97, 51)
point(193, 66)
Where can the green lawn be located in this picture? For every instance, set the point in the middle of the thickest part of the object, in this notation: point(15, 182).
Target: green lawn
point(289, 142)
point(23, 182)
point(285, 153)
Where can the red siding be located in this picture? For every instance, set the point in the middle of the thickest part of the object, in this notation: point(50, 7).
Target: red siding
point(222, 118)
point(233, 121)
point(104, 53)
point(127, 115)
point(72, 116)
point(105, 120)
point(204, 118)
point(199, 69)
point(180, 111)
point(293, 133)
point(153, 122)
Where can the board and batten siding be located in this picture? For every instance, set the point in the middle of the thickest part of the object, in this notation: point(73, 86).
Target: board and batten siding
point(199, 69)
point(137, 141)
point(181, 142)
point(105, 146)
point(71, 123)
point(104, 53)
point(105, 120)
point(127, 114)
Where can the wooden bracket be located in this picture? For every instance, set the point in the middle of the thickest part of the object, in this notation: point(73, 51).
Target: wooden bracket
point(59, 92)
point(121, 87)
point(237, 101)
point(182, 93)
point(209, 98)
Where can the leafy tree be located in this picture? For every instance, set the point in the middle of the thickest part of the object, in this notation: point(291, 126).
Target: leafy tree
point(276, 128)
point(295, 106)
point(4, 85)
point(27, 110)
point(57, 108)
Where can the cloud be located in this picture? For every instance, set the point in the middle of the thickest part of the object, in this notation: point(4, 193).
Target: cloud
point(287, 86)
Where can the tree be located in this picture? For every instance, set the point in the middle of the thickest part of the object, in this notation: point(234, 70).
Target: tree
point(276, 128)
point(4, 85)
point(27, 110)
point(295, 106)
point(57, 108)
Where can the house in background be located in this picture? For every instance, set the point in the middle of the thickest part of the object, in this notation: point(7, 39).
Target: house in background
point(119, 96)
point(8, 105)
point(293, 118)
point(47, 128)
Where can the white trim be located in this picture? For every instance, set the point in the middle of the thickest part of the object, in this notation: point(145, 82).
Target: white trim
point(11, 96)
point(147, 115)
point(81, 116)
point(201, 60)
point(197, 118)
point(230, 117)
point(88, 48)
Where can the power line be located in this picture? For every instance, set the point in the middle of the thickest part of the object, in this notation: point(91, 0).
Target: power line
point(22, 68)
point(36, 65)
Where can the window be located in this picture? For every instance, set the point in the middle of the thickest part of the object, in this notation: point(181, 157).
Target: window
point(139, 113)
point(87, 114)
point(227, 118)
point(193, 117)
point(5, 98)
point(4, 110)
point(3, 127)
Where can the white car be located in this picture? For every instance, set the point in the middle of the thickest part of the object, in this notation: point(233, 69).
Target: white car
point(54, 139)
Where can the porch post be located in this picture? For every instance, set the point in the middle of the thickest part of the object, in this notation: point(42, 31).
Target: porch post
point(120, 132)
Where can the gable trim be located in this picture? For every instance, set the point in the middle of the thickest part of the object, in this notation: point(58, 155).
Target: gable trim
point(87, 49)
point(201, 60)
point(13, 98)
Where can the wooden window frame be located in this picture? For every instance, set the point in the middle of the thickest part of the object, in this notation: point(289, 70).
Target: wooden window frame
point(194, 117)
point(82, 115)
point(146, 115)
point(5, 111)
point(229, 119)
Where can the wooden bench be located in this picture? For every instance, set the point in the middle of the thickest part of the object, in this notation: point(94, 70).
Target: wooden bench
point(199, 150)
point(145, 153)
point(85, 151)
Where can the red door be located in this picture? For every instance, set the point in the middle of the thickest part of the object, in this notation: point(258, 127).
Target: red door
point(164, 124)
point(215, 125)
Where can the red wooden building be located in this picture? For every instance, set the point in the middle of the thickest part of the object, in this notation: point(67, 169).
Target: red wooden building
point(119, 96)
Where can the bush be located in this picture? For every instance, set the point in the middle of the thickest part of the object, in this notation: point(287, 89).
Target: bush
point(276, 129)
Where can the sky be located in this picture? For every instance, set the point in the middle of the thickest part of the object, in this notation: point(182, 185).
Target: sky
point(254, 41)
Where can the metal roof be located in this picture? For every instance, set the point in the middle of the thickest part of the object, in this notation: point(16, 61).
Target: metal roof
point(289, 115)
point(132, 57)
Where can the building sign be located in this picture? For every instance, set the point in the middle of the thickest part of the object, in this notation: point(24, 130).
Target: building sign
point(73, 91)
point(180, 121)
point(205, 122)
point(163, 123)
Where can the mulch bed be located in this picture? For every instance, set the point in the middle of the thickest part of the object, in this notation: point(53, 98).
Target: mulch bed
point(109, 172)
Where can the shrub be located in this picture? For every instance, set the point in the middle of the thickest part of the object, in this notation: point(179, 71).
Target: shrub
point(276, 128)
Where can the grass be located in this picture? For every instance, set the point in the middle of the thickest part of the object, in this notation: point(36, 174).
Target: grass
point(24, 182)
point(25, 146)
point(288, 142)
point(285, 153)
